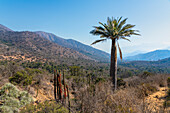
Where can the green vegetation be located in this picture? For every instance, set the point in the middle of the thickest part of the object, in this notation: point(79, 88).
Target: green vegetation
point(114, 30)
point(21, 77)
point(24, 77)
point(167, 101)
point(168, 82)
point(13, 99)
point(45, 107)
point(86, 87)
point(29, 61)
point(88, 83)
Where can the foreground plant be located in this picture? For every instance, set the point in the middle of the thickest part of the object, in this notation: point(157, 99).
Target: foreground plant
point(12, 99)
point(58, 83)
point(114, 29)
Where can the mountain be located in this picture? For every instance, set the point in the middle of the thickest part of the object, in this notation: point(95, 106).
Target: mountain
point(80, 47)
point(150, 56)
point(4, 29)
point(160, 63)
point(133, 53)
point(29, 45)
point(160, 66)
point(41, 45)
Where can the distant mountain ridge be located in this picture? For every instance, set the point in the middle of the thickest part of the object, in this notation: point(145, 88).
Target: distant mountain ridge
point(150, 56)
point(46, 45)
point(160, 63)
point(160, 66)
point(30, 45)
point(80, 47)
point(4, 29)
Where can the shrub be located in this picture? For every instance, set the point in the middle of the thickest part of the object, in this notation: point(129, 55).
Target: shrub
point(45, 107)
point(167, 101)
point(9, 90)
point(168, 82)
point(21, 77)
point(121, 82)
point(146, 74)
point(7, 109)
point(13, 99)
point(149, 89)
point(100, 79)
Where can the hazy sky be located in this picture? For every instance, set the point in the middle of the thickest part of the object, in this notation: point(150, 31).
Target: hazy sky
point(75, 18)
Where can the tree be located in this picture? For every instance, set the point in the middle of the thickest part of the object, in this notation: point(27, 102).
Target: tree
point(114, 30)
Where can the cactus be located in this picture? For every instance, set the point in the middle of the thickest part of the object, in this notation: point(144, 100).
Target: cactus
point(57, 85)
point(55, 80)
point(59, 88)
point(64, 86)
point(68, 97)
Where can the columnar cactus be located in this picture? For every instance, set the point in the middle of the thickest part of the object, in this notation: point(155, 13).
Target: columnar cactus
point(68, 97)
point(64, 86)
point(57, 84)
point(59, 87)
point(55, 80)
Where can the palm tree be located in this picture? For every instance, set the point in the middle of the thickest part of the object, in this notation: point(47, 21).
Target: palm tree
point(114, 30)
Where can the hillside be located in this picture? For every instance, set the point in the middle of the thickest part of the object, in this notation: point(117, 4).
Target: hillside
point(150, 56)
point(34, 47)
point(160, 63)
point(3, 28)
point(65, 48)
point(160, 66)
point(80, 47)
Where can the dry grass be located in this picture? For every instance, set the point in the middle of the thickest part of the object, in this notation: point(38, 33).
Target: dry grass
point(132, 99)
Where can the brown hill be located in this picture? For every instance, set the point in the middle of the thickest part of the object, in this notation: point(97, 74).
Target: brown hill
point(31, 45)
point(77, 46)
point(3, 28)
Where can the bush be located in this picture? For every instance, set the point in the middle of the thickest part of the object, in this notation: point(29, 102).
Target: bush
point(149, 89)
point(13, 99)
point(146, 74)
point(121, 82)
point(168, 82)
point(21, 77)
point(45, 107)
point(100, 79)
point(167, 101)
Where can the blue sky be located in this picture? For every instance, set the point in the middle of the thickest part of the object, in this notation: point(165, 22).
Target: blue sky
point(75, 18)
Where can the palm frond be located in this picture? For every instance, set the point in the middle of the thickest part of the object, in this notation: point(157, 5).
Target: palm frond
point(99, 28)
point(98, 32)
point(124, 38)
point(126, 27)
point(128, 33)
point(114, 23)
point(109, 23)
point(105, 26)
point(114, 29)
point(104, 36)
point(119, 19)
point(122, 23)
point(120, 52)
point(98, 41)
point(135, 32)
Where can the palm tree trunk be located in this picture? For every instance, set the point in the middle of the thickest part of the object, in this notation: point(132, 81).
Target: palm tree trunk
point(113, 63)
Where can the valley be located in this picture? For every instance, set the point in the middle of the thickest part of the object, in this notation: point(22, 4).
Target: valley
point(29, 61)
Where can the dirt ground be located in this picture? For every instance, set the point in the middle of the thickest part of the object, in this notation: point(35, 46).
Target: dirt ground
point(155, 101)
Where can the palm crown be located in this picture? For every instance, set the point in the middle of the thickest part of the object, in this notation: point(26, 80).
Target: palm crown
point(114, 29)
